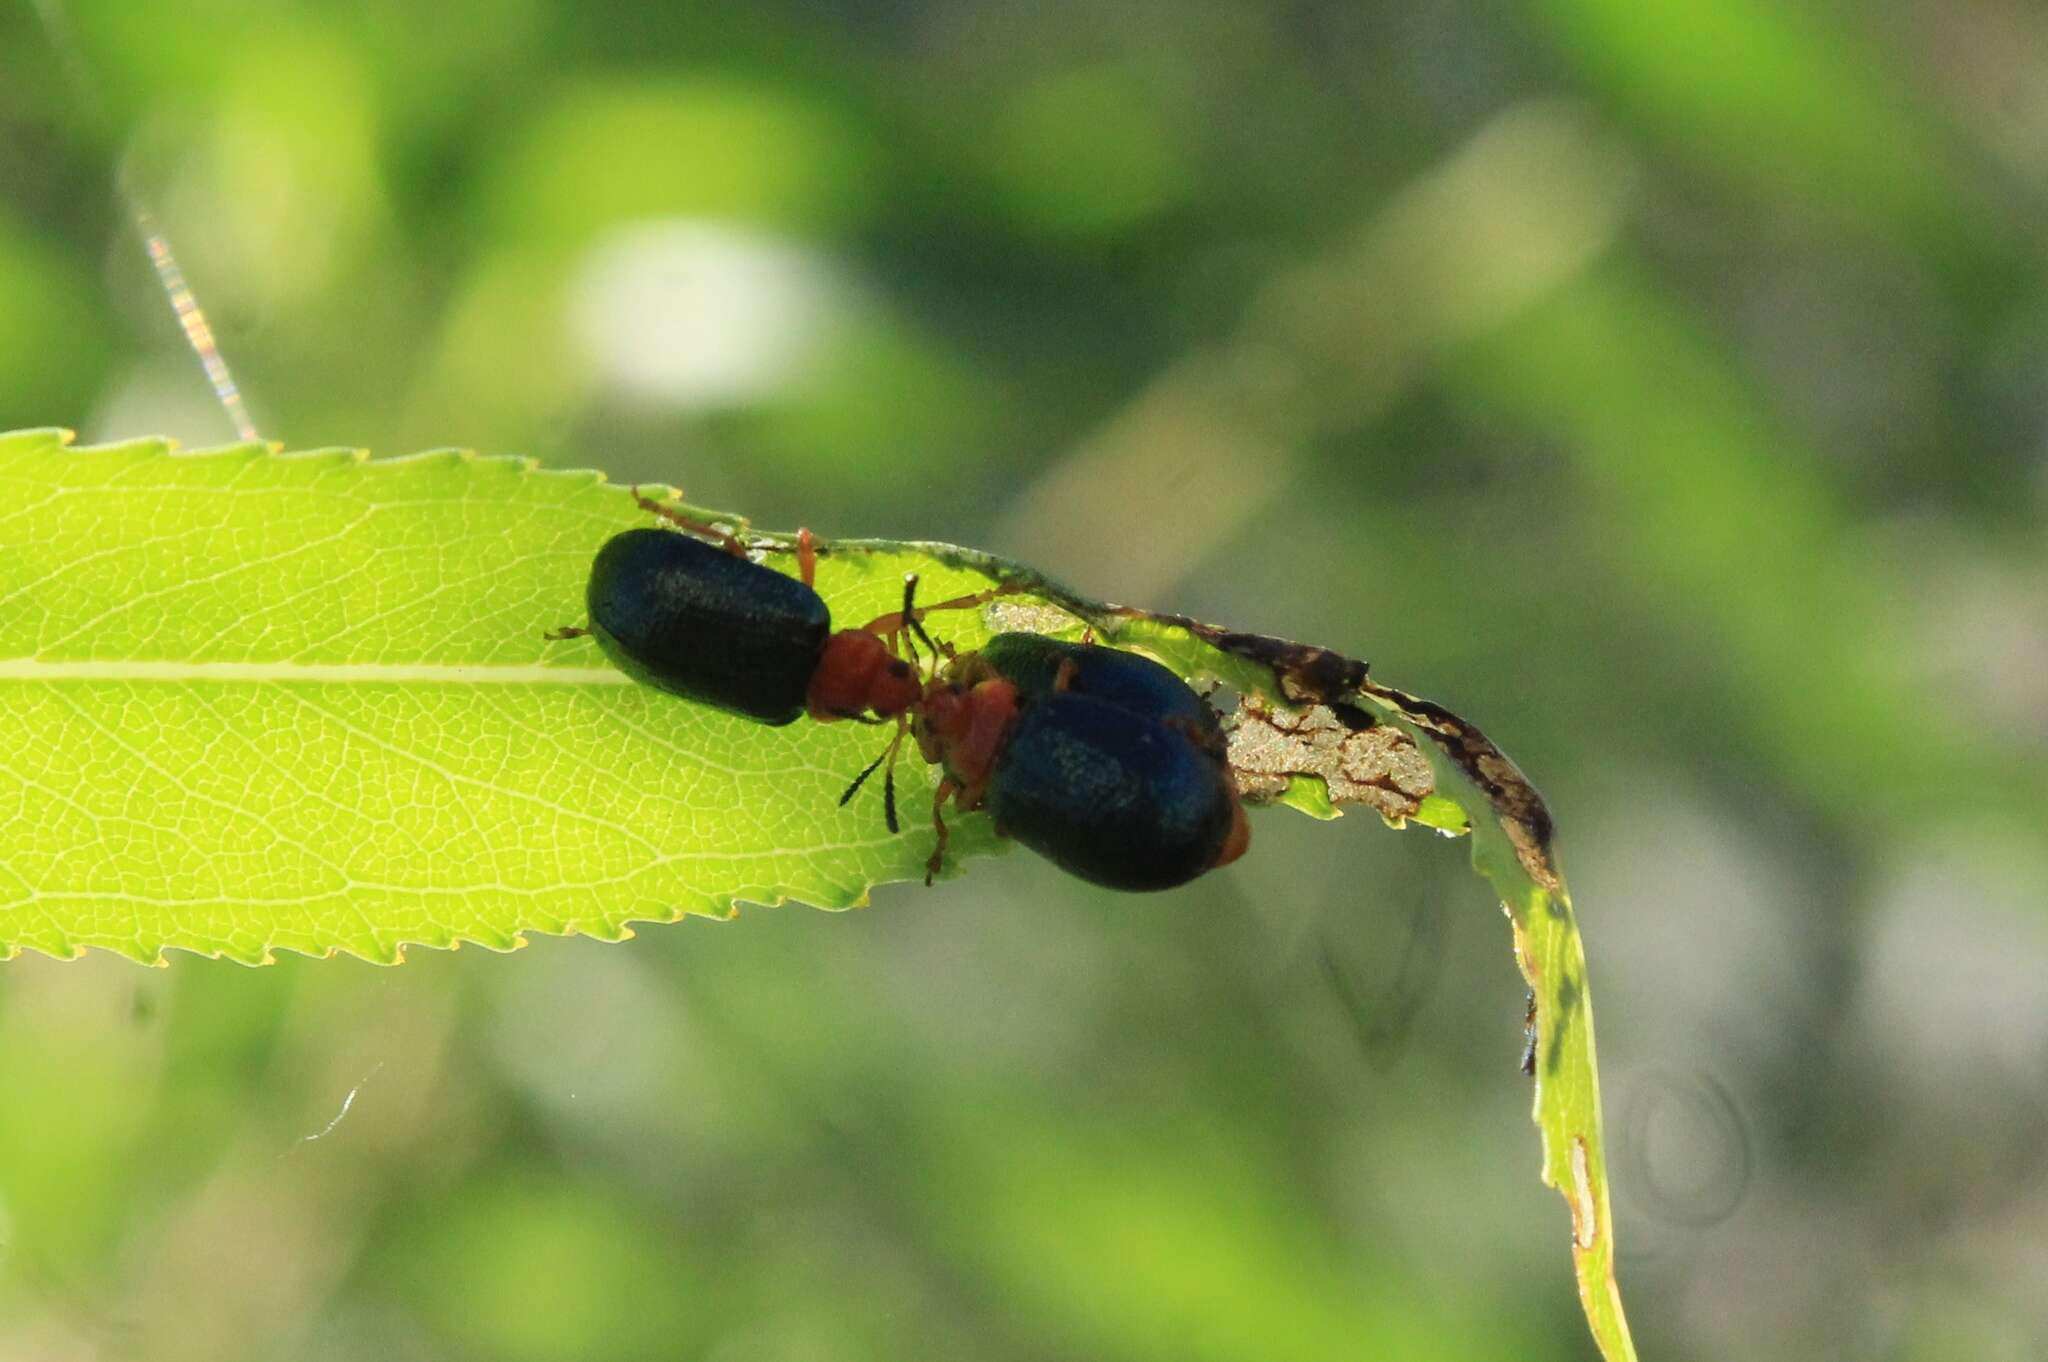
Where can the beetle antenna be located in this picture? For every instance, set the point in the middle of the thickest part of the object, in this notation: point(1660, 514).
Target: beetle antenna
point(910, 616)
point(887, 754)
point(862, 778)
point(910, 620)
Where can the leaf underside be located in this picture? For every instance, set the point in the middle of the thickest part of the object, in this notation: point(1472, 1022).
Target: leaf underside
point(259, 701)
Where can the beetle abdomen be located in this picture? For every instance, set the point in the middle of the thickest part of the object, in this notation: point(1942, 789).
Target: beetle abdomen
point(696, 621)
point(1110, 795)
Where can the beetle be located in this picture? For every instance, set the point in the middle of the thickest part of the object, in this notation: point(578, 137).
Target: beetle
point(1102, 761)
point(706, 622)
point(1114, 797)
point(703, 621)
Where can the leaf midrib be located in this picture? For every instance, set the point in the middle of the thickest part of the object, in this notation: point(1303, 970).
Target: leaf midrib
point(373, 673)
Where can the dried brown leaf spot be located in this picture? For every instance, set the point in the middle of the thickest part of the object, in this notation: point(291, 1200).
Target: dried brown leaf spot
point(1378, 766)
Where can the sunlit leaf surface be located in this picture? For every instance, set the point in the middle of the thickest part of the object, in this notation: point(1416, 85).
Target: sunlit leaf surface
point(303, 702)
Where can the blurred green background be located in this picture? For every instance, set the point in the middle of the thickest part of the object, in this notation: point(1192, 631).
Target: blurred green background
point(1661, 383)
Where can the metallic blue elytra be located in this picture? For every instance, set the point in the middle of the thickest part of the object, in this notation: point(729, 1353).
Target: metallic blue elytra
point(1032, 663)
point(1110, 795)
point(699, 622)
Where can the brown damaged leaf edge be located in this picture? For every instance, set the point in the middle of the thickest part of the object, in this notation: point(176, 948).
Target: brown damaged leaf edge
point(1303, 674)
point(1378, 766)
point(1312, 675)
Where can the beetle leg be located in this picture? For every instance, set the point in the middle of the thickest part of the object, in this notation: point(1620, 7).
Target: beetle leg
point(938, 857)
point(1063, 679)
point(733, 544)
point(566, 631)
point(968, 602)
point(806, 555)
point(884, 624)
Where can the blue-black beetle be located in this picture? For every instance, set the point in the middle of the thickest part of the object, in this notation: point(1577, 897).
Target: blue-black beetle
point(1102, 761)
point(1114, 797)
point(711, 625)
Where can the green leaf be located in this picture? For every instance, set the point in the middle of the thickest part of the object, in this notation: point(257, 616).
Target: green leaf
point(302, 702)
point(1553, 961)
point(259, 701)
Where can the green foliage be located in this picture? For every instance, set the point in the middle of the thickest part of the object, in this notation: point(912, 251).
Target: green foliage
point(1661, 381)
point(303, 702)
